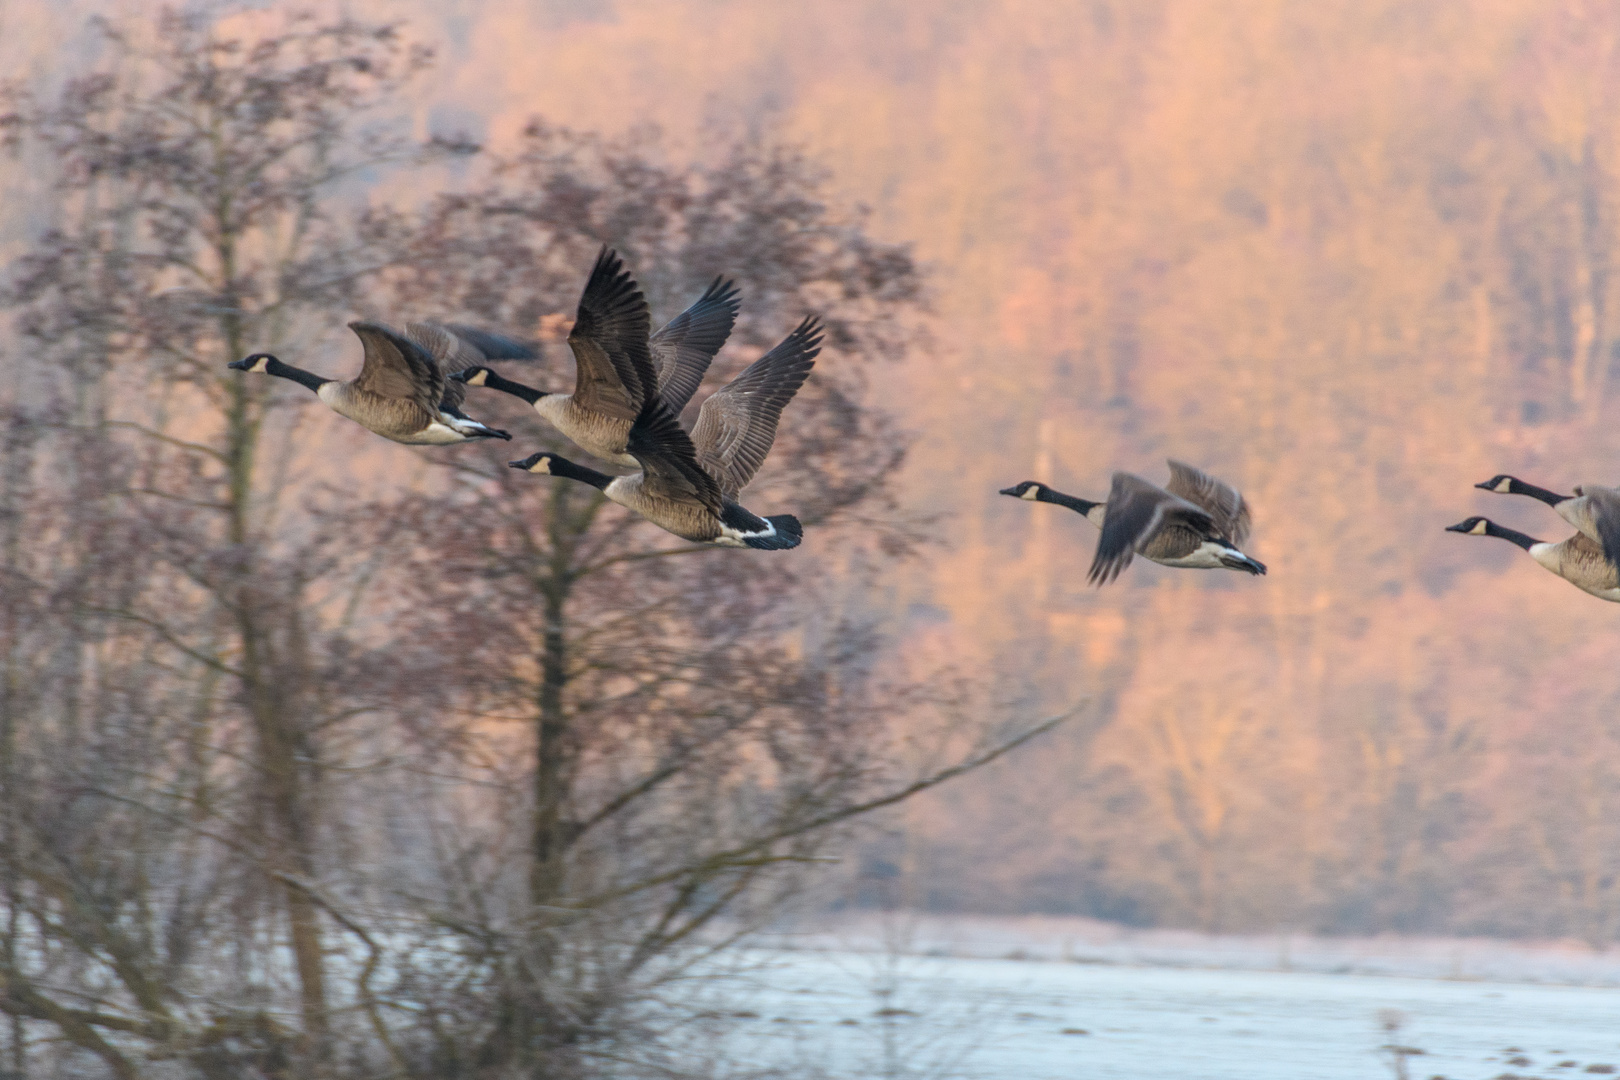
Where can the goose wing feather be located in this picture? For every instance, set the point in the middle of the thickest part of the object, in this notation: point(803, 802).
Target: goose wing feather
point(450, 352)
point(683, 349)
point(456, 347)
point(1224, 503)
point(494, 346)
point(397, 367)
point(669, 462)
point(1602, 510)
point(614, 372)
point(1137, 512)
point(737, 424)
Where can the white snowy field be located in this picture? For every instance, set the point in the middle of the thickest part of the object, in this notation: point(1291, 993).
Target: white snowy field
point(861, 1012)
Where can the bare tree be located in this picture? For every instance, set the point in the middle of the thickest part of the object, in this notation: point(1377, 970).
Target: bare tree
point(197, 183)
point(700, 724)
point(453, 780)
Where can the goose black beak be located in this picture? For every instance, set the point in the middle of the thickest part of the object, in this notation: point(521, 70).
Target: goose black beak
point(1013, 491)
point(1461, 526)
point(526, 463)
point(463, 375)
point(1485, 486)
point(241, 365)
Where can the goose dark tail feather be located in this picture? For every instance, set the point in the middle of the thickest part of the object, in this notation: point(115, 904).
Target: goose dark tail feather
point(787, 535)
point(1244, 562)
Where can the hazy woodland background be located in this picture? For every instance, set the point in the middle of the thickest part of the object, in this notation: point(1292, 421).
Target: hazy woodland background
point(1352, 256)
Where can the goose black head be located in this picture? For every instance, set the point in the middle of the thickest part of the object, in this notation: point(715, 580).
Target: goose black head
point(1501, 483)
point(1475, 526)
point(1029, 489)
point(259, 361)
point(473, 376)
point(535, 463)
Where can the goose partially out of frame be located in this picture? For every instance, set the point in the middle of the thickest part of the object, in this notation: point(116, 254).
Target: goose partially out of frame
point(1593, 511)
point(1579, 560)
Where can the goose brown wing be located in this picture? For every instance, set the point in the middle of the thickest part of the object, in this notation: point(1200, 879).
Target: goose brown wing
point(1603, 509)
point(493, 346)
point(397, 367)
point(668, 460)
point(1224, 503)
point(614, 372)
point(683, 349)
point(456, 347)
point(450, 352)
point(1137, 511)
point(737, 424)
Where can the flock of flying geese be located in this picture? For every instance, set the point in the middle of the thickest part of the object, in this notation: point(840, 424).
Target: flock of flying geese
point(631, 386)
point(1589, 560)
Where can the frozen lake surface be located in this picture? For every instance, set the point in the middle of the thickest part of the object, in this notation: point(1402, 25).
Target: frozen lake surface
point(875, 1014)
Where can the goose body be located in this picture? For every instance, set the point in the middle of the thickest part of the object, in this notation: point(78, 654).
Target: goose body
point(1593, 511)
point(401, 392)
point(1579, 560)
point(688, 485)
point(673, 491)
point(1195, 522)
point(599, 413)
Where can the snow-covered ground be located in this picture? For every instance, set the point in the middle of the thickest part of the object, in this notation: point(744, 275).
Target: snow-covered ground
point(868, 1000)
point(1078, 940)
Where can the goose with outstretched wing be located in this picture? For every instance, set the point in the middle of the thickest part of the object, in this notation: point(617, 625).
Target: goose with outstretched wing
point(1195, 521)
point(688, 485)
point(609, 381)
point(401, 392)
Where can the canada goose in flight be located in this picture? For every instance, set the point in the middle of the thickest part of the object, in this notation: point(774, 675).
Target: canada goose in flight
point(1592, 510)
point(401, 392)
point(688, 485)
point(1578, 560)
point(593, 416)
point(1195, 521)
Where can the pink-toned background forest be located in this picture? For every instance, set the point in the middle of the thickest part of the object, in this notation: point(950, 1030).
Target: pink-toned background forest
point(1353, 257)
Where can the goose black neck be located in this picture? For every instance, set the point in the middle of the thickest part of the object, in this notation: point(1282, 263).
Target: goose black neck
point(1526, 542)
point(297, 375)
point(568, 469)
point(1078, 505)
point(516, 389)
point(1519, 487)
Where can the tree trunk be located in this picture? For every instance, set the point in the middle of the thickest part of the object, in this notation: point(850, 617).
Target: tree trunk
point(290, 836)
point(546, 875)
